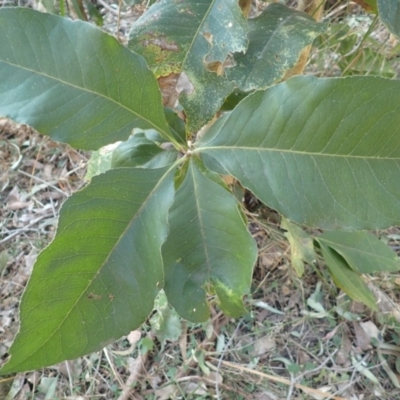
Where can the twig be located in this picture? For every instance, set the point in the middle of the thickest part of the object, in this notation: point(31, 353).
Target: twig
point(43, 181)
point(136, 371)
point(113, 10)
point(210, 381)
point(69, 378)
point(281, 380)
point(112, 367)
point(21, 230)
point(222, 356)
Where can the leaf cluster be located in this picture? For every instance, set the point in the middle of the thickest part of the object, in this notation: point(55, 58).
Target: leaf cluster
point(156, 214)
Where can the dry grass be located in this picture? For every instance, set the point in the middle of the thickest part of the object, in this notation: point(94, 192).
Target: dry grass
point(300, 339)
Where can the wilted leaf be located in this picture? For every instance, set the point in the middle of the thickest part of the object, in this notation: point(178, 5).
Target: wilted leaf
point(192, 38)
point(322, 152)
point(208, 246)
point(276, 38)
point(165, 323)
point(363, 252)
point(368, 5)
point(100, 161)
point(73, 82)
point(301, 246)
point(98, 279)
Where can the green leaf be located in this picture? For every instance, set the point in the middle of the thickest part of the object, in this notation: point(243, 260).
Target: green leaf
point(140, 151)
point(276, 38)
point(301, 246)
point(389, 13)
point(98, 279)
point(192, 38)
point(94, 13)
point(346, 279)
point(233, 99)
point(71, 81)
point(208, 245)
point(364, 252)
point(136, 151)
point(176, 125)
point(322, 152)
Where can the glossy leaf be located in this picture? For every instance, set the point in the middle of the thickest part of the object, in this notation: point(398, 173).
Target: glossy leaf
point(301, 246)
point(208, 246)
point(363, 252)
point(192, 38)
point(276, 38)
point(346, 279)
point(389, 13)
point(322, 152)
point(73, 82)
point(98, 279)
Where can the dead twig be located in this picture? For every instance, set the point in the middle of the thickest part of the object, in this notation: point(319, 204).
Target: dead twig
point(280, 380)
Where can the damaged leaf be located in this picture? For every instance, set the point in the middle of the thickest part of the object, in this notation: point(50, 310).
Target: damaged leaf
point(285, 32)
point(192, 38)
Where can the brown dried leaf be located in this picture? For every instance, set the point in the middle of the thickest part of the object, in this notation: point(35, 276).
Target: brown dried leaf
point(167, 86)
point(363, 340)
point(263, 345)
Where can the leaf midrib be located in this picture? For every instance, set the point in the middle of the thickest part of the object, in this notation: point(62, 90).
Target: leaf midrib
point(297, 152)
point(201, 223)
point(197, 34)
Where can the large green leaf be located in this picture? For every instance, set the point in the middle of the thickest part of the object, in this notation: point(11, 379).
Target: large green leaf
point(98, 279)
point(276, 38)
point(346, 279)
point(208, 245)
point(73, 82)
point(389, 13)
point(192, 37)
point(364, 252)
point(322, 152)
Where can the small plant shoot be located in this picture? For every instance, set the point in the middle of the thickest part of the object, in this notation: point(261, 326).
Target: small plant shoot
point(157, 213)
